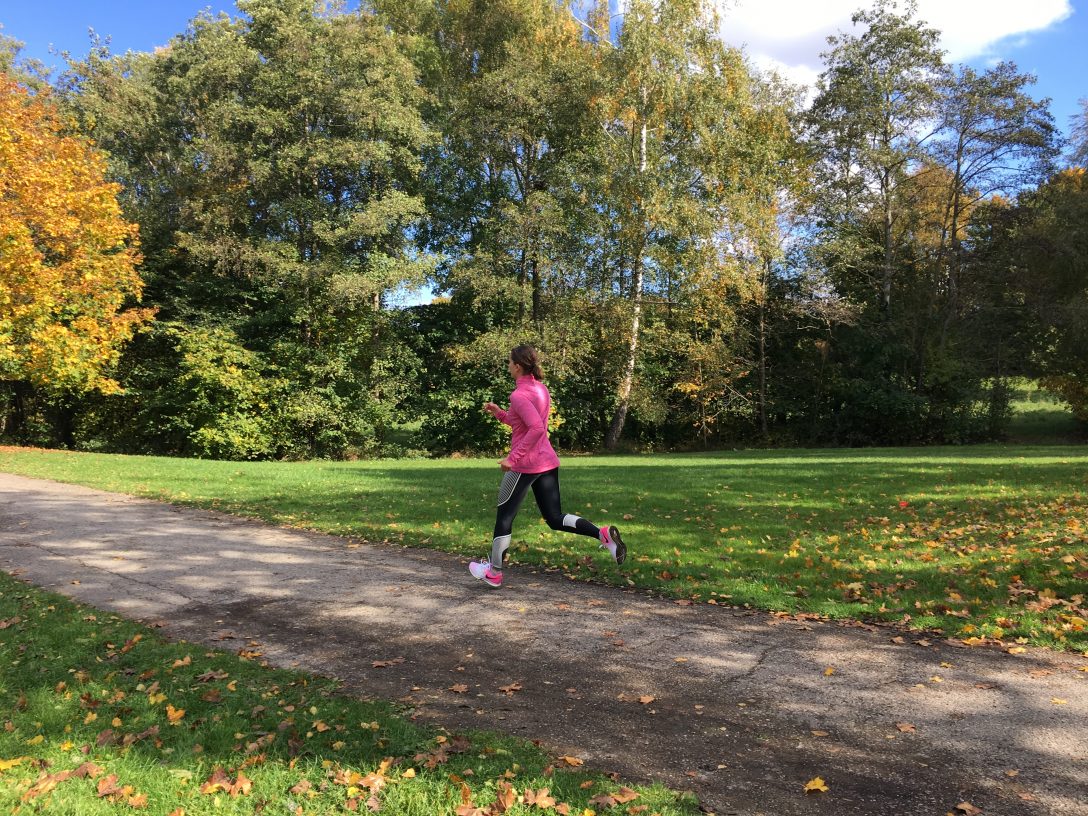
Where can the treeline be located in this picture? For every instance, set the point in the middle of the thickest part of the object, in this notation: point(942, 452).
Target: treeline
point(702, 258)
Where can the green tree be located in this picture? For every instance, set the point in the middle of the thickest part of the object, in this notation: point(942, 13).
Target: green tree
point(876, 99)
point(995, 139)
point(1078, 138)
point(685, 163)
point(276, 159)
point(1052, 251)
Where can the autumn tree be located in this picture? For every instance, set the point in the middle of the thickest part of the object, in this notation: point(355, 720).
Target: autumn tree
point(68, 258)
point(687, 167)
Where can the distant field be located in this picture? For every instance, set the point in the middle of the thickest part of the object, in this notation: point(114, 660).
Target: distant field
point(1039, 416)
point(979, 542)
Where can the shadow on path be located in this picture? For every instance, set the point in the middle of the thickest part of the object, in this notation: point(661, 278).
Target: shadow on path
point(737, 695)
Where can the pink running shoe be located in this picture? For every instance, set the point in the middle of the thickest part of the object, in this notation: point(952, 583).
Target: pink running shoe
point(611, 541)
point(482, 570)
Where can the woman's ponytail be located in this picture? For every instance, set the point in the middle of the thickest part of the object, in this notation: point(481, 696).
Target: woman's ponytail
point(526, 357)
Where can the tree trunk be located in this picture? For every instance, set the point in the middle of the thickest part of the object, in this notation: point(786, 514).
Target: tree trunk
point(534, 279)
point(889, 266)
point(763, 350)
point(615, 430)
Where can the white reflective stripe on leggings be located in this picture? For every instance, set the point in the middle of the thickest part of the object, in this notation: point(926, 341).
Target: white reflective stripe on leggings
point(506, 487)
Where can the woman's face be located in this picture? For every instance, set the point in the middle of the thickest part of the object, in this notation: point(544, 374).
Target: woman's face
point(514, 369)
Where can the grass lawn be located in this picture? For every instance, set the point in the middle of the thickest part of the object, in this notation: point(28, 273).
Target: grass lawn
point(986, 542)
point(1040, 417)
point(101, 716)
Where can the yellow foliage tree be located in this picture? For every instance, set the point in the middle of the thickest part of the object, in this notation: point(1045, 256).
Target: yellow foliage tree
point(67, 256)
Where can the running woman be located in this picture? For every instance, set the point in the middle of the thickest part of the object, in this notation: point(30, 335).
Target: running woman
point(532, 463)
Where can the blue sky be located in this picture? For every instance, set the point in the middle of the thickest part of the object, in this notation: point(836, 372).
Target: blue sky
point(1047, 37)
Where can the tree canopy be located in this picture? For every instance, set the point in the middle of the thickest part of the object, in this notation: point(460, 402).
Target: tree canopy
point(701, 259)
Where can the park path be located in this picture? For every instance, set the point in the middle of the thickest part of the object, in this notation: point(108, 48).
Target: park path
point(737, 694)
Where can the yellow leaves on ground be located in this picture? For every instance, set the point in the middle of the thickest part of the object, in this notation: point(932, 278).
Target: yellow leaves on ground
point(572, 761)
point(8, 764)
point(69, 258)
point(816, 785)
point(174, 715)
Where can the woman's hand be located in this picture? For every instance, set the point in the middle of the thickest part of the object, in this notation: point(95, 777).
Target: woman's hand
point(492, 408)
point(505, 464)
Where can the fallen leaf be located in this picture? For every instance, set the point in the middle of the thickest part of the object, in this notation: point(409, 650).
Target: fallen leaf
point(540, 798)
point(968, 809)
point(459, 688)
point(574, 762)
point(816, 785)
point(510, 689)
point(646, 699)
point(107, 786)
point(830, 670)
point(905, 727)
point(821, 734)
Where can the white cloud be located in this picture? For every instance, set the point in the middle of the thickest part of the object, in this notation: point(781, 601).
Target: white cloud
point(788, 35)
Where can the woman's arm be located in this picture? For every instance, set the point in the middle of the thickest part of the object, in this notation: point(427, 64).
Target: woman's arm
point(497, 412)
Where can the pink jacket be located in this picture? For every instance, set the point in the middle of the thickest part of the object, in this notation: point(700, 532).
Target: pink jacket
point(530, 450)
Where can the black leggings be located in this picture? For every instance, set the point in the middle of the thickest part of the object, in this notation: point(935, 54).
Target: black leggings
point(546, 490)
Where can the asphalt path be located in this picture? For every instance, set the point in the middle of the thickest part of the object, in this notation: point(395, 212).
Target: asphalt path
point(746, 707)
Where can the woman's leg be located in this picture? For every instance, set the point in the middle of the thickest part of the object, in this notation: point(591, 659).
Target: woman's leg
point(512, 491)
point(546, 491)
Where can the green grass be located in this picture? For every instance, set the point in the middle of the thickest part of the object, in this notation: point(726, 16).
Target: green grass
point(981, 542)
point(1039, 416)
point(78, 686)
